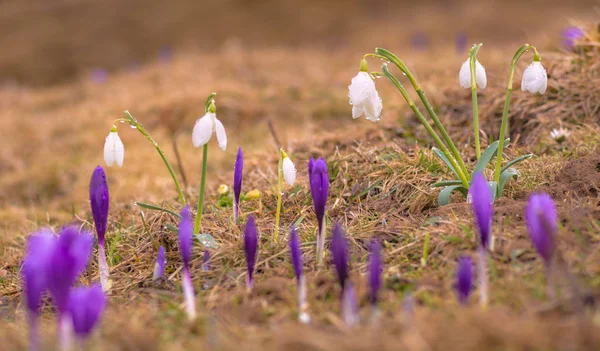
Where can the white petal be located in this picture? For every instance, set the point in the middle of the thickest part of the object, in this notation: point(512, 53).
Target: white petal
point(480, 75)
point(114, 151)
point(535, 78)
point(364, 97)
point(357, 111)
point(464, 76)
point(289, 171)
point(203, 130)
point(373, 108)
point(221, 135)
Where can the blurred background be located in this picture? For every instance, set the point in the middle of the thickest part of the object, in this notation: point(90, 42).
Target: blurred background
point(46, 42)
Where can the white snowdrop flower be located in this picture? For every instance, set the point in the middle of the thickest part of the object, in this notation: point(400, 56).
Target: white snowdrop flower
point(535, 78)
point(204, 128)
point(559, 134)
point(464, 76)
point(114, 151)
point(289, 170)
point(364, 98)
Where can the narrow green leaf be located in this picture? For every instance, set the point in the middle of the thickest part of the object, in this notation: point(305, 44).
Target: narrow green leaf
point(444, 196)
point(488, 155)
point(156, 208)
point(207, 240)
point(445, 159)
point(515, 161)
point(297, 223)
point(505, 177)
point(493, 188)
point(446, 183)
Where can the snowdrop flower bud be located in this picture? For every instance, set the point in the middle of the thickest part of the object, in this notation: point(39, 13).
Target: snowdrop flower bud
point(364, 98)
point(289, 170)
point(205, 126)
point(535, 78)
point(113, 148)
point(464, 76)
point(559, 135)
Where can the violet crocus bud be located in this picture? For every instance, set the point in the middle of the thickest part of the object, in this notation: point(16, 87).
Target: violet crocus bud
point(238, 170)
point(250, 248)
point(86, 306)
point(159, 267)
point(542, 220)
point(339, 253)
point(481, 204)
point(572, 35)
point(185, 248)
point(205, 259)
point(296, 255)
point(99, 200)
point(319, 188)
point(464, 279)
point(375, 271)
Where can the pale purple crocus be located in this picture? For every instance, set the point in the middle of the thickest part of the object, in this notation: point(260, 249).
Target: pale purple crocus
point(349, 306)
point(464, 279)
point(99, 200)
point(238, 170)
point(185, 248)
point(70, 255)
point(205, 263)
point(159, 266)
point(375, 269)
point(39, 249)
point(571, 35)
point(86, 306)
point(296, 255)
point(542, 223)
point(419, 41)
point(250, 248)
point(319, 188)
point(461, 42)
point(481, 199)
point(339, 254)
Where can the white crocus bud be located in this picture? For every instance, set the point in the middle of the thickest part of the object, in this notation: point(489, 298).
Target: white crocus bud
point(204, 128)
point(114, 151)
point(464, 76)
point(364, 98)
point(289, 170)
point(535, 78)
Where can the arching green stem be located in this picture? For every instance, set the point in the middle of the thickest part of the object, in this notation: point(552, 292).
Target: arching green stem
point(200, 208)
point(472, 61)
point(279, 191)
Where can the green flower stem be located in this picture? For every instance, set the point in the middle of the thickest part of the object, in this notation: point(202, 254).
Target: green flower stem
point(200, 207)
point(279, 191)
point(504, 125)
point(424, 122)
point(134, 123)
point(472, 60)
point(387, 55)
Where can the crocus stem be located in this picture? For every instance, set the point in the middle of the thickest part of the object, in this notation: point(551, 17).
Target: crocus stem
point(102, 267)
point(383, 53)
point(303, 315)
point(321, 242)
point(188, 294)
point(34, 331)
point(134, 123)
point(200, 207)
point(483, 277)
point(550, 281)
point(65, 331)
point(436, 138)
point(473, 60)
point(504, 125)
point(236, 211)
point(279, 191)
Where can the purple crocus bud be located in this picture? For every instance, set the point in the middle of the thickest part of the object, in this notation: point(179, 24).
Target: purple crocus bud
point(481, 199)
point(319, 188)
point(159, 267)
point(461, 42)
point(375, 270)
point(339, 253)
point(311, 164)
point(99, 75)
point(238, 170)
point(464, 279)
point(296, 253)
point(349, 306)
point(419, 41)
point(86, 306)
point(571, 35)
point(205, 259)
point(542, 220)
point(185, 236)
point(99, 202)
point(250, 246)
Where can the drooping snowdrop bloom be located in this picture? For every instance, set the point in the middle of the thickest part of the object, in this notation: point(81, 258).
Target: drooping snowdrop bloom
point(114, 151)
point(364, 98)
point(250, 248)
point(535, 78)
point(99, 200)
point(185, 248)
point(464, 76)
point(559, 135)
point(289, 170)
point(238, 171)
point(319, 189)
point(296, 255)
point(86, 306)
point(464, 279)
point(206, 125)
point(159, 266)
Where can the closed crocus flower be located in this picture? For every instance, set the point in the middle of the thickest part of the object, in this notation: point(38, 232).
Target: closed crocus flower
point(319, 188)
point(185, 248)
point(250, 248)
point(464, 76)
point(464, 279)
point(86, 306)
point(481, 203)
point(535, 78)
point(289, 170)
point(571, 35)
point(374, 271)
point(364, 98)
point(99, 200)
point(238, 171)
point(296, 256)
point(542, 220)
point(205, 126)
point(159, 266)
point(339, 254)
point(114, 151)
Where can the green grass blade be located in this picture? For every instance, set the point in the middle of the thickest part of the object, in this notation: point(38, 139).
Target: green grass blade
point(156, 208)
point(446, 183)
point(441, 155)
